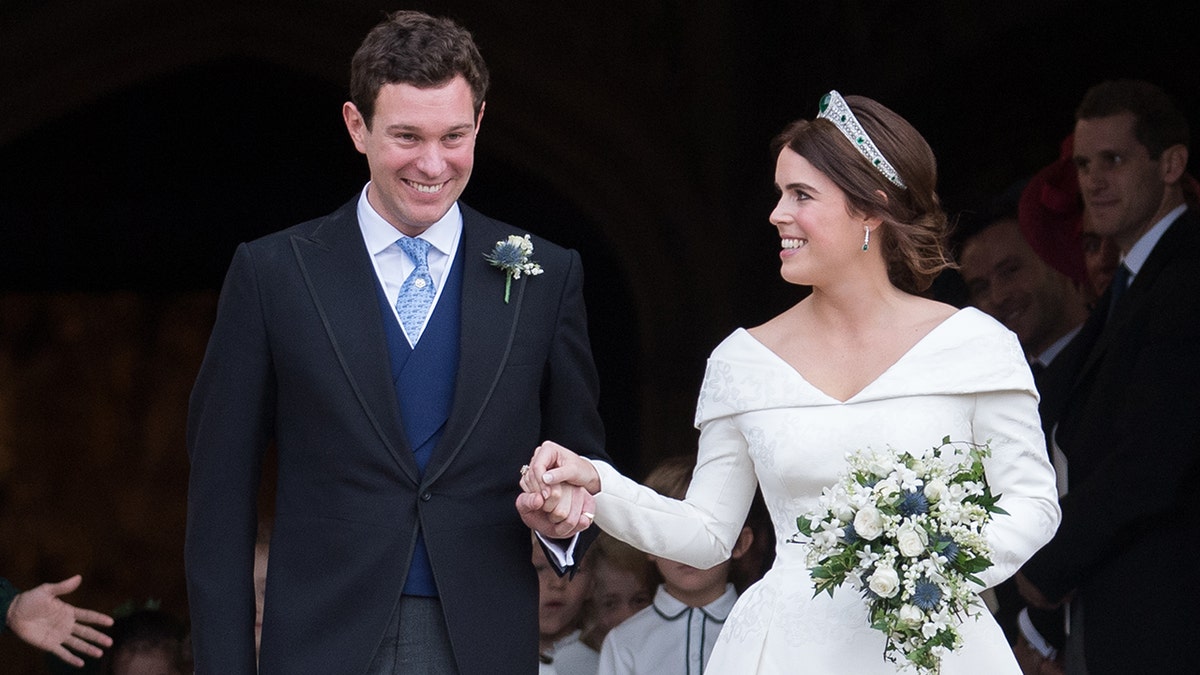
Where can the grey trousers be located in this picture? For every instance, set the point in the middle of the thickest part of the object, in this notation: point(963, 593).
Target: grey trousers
point(416, 641)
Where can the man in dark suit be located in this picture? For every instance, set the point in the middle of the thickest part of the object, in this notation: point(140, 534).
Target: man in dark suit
point(1006, 278)
point(1125, 395)
point(404, 380)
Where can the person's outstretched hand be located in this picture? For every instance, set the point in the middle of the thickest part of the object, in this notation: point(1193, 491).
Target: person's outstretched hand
point(38, 617)
point(558, 486)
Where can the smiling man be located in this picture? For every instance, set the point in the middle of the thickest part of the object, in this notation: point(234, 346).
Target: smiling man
point(403, 386)
point(1006, 279)
point(1124, 395)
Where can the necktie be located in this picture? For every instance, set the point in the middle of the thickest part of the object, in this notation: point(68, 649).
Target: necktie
point(1119, 283)
point(416, 295)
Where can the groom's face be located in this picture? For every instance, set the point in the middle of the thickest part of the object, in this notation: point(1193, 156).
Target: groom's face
point(420, 147)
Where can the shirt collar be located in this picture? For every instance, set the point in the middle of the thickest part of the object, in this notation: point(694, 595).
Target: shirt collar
point(379, 233)
point(1141, 250)
point(670, 607)
point(1052, 351)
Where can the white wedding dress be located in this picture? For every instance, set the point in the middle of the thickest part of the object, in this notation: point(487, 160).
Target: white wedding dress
point(762, 423)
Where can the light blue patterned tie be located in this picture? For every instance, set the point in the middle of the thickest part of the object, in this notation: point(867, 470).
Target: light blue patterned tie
point(416, 295)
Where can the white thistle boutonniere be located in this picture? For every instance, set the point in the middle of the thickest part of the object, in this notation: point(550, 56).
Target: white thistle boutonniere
point(513, 256)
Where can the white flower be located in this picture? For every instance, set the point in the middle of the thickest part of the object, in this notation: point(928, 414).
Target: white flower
point(887, 488)
point(868, 523)
point(884, 582)
point(867, 558)
point(909, 479)
point(911, 540)
point(911, 615)
point(935, 490)
point(879, 463)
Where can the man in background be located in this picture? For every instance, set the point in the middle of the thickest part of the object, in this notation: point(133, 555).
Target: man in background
point(1122, 401)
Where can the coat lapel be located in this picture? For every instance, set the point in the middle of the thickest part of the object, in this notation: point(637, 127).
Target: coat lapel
point(1180, 236)
point(488, 329)
point(341, 280)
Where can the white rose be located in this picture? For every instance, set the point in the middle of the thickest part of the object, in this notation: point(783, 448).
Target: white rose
point(887, 487)
point(880, 463)
point(842, 510)
point(884, 582)
point(935, 490)
point(868, 523)
point(956, 492)
point(911, 615)
point(911, 540)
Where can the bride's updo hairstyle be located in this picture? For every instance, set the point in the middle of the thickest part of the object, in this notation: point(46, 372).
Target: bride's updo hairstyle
point(897, 188)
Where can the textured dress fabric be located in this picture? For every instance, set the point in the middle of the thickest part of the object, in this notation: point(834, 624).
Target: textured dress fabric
point(761, 423)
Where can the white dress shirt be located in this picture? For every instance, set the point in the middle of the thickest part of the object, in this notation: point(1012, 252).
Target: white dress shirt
point(392, 265)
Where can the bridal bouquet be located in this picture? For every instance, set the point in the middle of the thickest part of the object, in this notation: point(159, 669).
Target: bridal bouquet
point(906, 530)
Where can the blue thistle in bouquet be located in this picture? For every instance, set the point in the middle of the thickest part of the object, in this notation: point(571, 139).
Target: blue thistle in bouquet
point(907, 530)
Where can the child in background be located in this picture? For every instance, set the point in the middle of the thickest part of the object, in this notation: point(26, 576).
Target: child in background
point(677, 633)
point(148, 641)
point(562, 608)
point(624, 580)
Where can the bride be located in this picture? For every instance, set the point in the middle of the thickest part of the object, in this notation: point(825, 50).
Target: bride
point(861, 362)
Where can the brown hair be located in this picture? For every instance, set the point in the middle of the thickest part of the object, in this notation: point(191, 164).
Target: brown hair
point(415, 48)
point(1158, 122)
point(914, 226)
point(672, 476)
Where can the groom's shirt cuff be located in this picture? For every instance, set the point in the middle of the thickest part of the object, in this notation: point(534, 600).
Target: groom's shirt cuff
point(562, 551)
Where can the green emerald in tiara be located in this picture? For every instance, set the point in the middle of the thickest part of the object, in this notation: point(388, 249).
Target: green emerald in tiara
point(835, 109)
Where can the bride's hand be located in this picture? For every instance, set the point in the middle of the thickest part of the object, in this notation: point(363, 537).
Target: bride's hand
point(557, 509)
point(555, 466)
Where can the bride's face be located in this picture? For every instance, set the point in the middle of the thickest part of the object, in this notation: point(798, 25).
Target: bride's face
point(818, 234)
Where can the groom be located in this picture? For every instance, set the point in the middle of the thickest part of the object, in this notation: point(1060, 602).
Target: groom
point(403, 387)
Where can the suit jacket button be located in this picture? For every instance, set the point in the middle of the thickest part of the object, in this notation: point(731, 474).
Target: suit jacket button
point(426, 496)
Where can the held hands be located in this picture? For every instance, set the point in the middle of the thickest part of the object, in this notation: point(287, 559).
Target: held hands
point(558, 486)
point(38, 617)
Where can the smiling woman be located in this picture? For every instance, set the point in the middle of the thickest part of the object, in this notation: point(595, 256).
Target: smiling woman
point(861, 362)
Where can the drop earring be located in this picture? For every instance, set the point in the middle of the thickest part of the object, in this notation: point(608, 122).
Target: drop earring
point(866, 237)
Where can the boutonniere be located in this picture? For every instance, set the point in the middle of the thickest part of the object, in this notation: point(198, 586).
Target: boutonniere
point(513, 256)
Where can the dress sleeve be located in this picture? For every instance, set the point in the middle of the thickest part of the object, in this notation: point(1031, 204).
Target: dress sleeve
point(1019, 471)
point(702, 529)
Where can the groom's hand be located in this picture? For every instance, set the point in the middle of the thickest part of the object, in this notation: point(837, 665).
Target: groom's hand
point(568, 514)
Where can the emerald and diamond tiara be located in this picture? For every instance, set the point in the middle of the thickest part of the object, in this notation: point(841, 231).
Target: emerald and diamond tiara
point(835, 109)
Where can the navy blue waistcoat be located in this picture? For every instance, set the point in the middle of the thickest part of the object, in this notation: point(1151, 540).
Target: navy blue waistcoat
point(424, 380)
